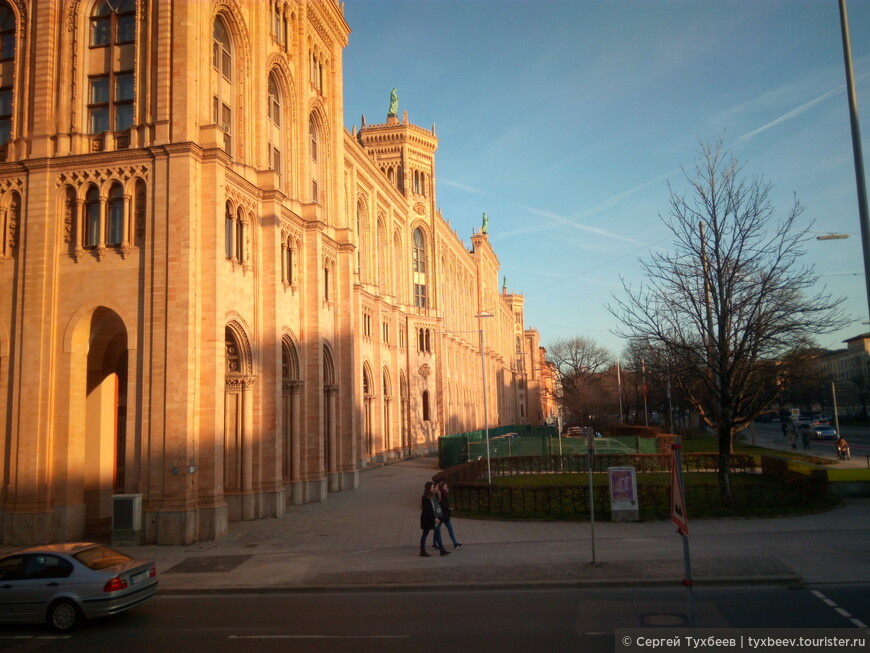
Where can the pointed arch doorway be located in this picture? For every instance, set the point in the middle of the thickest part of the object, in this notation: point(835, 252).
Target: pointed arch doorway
point(105, 454)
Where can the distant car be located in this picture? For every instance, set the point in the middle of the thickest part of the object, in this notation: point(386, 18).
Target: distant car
point(820, 432)
point(803, 421)
point(62, 585)
point(580, 432)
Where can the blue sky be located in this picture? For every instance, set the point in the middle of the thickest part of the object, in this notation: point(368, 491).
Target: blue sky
point(565, 120)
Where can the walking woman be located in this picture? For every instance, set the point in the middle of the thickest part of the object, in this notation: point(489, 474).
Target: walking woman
point(441, 492)
point(430, 519)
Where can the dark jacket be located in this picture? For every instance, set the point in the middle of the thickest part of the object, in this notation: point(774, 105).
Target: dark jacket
point(427, 514)
point(445, 507)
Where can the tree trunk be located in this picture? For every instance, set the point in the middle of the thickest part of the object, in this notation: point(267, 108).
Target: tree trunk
point(724, 460)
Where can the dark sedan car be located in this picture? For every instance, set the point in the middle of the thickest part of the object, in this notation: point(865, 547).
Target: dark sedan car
point(820, 432)
point(61, 585)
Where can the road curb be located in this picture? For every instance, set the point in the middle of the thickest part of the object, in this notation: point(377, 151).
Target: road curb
point(787, 580)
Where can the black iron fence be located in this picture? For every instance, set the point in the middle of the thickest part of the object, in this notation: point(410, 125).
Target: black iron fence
point(471, 494)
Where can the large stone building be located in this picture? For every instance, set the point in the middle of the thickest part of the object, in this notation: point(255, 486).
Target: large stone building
point(849, 370)
point(213, 294)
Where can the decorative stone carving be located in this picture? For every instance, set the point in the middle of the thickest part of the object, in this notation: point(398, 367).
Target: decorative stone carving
point(12, 225)
point(425, 370)
point(140, 214)
point(68, 214)
point(419, 208)
point(292, 387)
point(239, 383)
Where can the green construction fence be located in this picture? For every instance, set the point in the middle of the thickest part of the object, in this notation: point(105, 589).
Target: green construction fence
point(525, 440)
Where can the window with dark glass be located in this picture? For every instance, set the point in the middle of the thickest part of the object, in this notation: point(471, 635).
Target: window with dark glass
point(7, 33)
point(222, 56)
point(125, 26)
point(113, 22)
point(111, 91)
point(240, 238)
point(123, 101)
point(312, 132)
point(115, 225)
point(419, 252)
point(274, 111)
point(274, 102)
point(7, 53)
point(98, 104)
point(5, 114)
point(92, 217)
point(228, 233)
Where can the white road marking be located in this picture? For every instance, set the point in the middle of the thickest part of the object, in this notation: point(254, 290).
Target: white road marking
point(838, 609)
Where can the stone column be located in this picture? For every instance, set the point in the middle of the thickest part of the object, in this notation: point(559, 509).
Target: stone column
point(247, 452)
point(331, 464)
point(125, 225)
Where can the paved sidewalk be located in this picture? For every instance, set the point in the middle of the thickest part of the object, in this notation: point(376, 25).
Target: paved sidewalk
point(369, 539)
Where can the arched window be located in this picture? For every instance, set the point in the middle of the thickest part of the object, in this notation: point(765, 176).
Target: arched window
point(277, 26)
point(240, 236)
point(7, 54)
point(111, 80)
point(313, 149)
point(426, 415)
point(92, 217)
point(289, 360)
point(288, 259)
point(362, 230)
point(222, 52)
point(275, 141)
point(421, 299)
point(229, 230)
point(113, 24)
point(233, 353)
point(222, 77)
point(115, 224)
point(10, 221)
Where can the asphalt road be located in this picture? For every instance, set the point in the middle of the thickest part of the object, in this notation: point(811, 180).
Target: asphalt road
point(858, 437)
point(537, 621)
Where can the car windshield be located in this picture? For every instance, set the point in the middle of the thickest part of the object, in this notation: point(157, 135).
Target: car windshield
point(100, 557)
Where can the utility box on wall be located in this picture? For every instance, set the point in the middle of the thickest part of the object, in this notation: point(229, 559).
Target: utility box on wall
point(126, 519)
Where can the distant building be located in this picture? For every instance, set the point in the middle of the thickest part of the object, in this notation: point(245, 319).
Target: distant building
point(849, 369)
point(213, 294)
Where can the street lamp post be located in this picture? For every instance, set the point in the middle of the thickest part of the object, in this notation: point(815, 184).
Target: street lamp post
point(856, 148)
point(485, 413)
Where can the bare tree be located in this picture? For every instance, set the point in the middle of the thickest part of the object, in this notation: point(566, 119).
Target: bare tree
point(580, 364)
point(730, 303)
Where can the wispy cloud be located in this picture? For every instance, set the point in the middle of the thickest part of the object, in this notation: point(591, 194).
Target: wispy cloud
point(788, 115)
point(460, 186)
point(543, 273)
point(806, 106)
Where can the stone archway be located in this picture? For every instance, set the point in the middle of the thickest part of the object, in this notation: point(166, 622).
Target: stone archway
point(105, 417)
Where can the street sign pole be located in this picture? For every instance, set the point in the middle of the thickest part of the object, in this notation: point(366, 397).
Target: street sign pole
point(836, 411)
point(590, 449)
point(680, 519)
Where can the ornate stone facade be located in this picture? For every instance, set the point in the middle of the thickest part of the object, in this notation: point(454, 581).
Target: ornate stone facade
point(213, 294)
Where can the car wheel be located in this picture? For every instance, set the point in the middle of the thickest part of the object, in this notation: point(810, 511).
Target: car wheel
point(63, 616)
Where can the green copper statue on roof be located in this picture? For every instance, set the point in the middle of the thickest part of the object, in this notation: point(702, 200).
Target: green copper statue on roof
point(394, 102)
point(484, 228)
